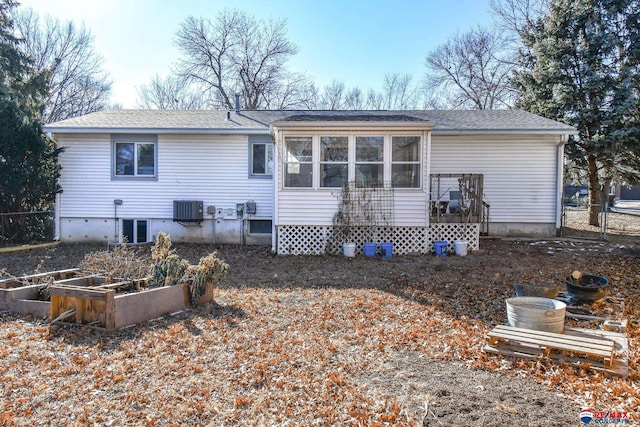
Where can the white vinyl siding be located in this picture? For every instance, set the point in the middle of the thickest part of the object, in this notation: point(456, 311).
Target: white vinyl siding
point(190, 167)
point(519, 182)
point(519, 172)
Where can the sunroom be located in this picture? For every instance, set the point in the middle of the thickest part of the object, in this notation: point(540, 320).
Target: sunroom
point(380, 162)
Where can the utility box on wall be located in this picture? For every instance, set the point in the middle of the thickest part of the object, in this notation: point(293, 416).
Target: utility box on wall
point(230, 213)
point(250, 207)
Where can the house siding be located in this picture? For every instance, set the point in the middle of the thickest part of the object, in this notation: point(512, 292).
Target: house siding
point(519, 184)
point(520, 176)
point(209, 168)
point(320, 205)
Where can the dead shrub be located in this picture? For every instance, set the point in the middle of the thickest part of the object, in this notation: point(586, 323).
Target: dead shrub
point(210, 270)
point(120, 263)
point(168, 268)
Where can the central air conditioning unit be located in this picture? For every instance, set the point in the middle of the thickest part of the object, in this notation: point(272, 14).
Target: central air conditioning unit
point(187, 210)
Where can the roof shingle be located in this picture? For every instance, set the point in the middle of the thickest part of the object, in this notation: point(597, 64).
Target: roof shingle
point(191, 121)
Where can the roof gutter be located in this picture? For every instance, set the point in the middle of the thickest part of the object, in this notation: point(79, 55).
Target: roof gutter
point(170, 131)
point(454, 132)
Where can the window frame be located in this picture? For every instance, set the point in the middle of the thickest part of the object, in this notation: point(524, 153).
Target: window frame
point(254, 220)
point(406, 162)
point(322, 162)
point(136, 140)
point(378, 163)
point(268, 173)
point(135, 230)
point(387, 162)
point(267, 141)
point(313, 162)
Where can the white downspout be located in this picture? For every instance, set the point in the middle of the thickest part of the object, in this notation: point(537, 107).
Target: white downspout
point(56, 205)
point(427, 185)
point(560, 181)
point(276, 174)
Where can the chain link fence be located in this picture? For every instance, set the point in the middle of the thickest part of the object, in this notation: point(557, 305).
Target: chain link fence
point(615, 222)
point(26, 227)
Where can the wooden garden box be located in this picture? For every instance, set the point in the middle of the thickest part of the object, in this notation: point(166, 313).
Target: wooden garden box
point(103, 307)
point(19, 294)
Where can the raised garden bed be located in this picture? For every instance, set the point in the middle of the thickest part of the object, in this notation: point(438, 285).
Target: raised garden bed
point(21, 294)
point(84, 301)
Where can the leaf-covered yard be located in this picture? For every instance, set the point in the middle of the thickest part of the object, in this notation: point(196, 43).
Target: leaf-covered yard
point(319, 341)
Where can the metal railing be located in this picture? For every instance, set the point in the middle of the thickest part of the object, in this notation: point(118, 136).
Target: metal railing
point(26, 227)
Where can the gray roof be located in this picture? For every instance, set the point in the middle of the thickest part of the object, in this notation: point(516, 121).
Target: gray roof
point(258, 121)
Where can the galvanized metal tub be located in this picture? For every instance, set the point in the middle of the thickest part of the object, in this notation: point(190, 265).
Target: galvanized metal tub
point(535, 290)
point(541, 314)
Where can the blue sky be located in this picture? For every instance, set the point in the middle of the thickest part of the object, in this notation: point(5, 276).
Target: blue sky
point(353, 41)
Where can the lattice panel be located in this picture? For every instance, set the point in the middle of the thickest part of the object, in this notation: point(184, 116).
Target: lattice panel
point(318, 240)
point(454, 231)
point(303, 239)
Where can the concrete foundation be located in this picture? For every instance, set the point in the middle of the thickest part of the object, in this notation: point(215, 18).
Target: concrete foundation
point(208, 231)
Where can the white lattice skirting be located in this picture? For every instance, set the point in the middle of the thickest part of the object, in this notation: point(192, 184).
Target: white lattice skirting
point(319, 240)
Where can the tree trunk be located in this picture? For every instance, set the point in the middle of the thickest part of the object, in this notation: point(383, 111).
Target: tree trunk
point(594, 192)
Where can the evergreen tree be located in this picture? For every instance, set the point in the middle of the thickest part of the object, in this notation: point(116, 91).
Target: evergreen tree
point(581, 65)
point(28, 160)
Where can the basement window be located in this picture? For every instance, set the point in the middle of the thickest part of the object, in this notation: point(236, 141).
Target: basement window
point(259, 226)
point(135, 230)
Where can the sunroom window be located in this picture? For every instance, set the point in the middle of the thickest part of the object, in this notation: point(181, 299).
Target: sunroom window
point(334, 161)
point(405, 161)
point(298, 168)
point(369, 165)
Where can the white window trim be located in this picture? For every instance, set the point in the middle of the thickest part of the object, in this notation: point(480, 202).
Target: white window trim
point(387, 160)
point(136, 140)
point(418, 162)
point(324, 162)
point(268, 148)
point(315, 165)
point(135, 229)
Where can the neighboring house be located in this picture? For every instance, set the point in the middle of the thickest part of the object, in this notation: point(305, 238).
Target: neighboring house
point(275, 177)
point(625, 193)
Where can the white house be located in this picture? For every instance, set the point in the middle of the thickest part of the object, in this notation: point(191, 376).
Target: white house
point(275, 177)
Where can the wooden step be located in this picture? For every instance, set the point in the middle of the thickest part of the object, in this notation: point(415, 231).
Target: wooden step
point(550, 341)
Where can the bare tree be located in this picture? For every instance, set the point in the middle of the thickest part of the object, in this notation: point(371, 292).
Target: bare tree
point(398, 93)
point(296, 90)
point(77, 84)
point(333, 96)
point(170, 93)
point(472, 70)
point(236, 53)
point(354, 99)
point(515, 15)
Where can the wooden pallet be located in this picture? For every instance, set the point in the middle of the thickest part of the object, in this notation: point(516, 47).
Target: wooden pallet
point(575, 346)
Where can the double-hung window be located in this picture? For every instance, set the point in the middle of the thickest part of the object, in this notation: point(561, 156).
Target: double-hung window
point(369, 165)
point(405, 161)
point(334, 161)
point(298, 158)
point(135, 158)
point(261, 159)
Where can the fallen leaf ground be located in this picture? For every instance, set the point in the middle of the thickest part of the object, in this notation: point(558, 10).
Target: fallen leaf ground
point(320, 341)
